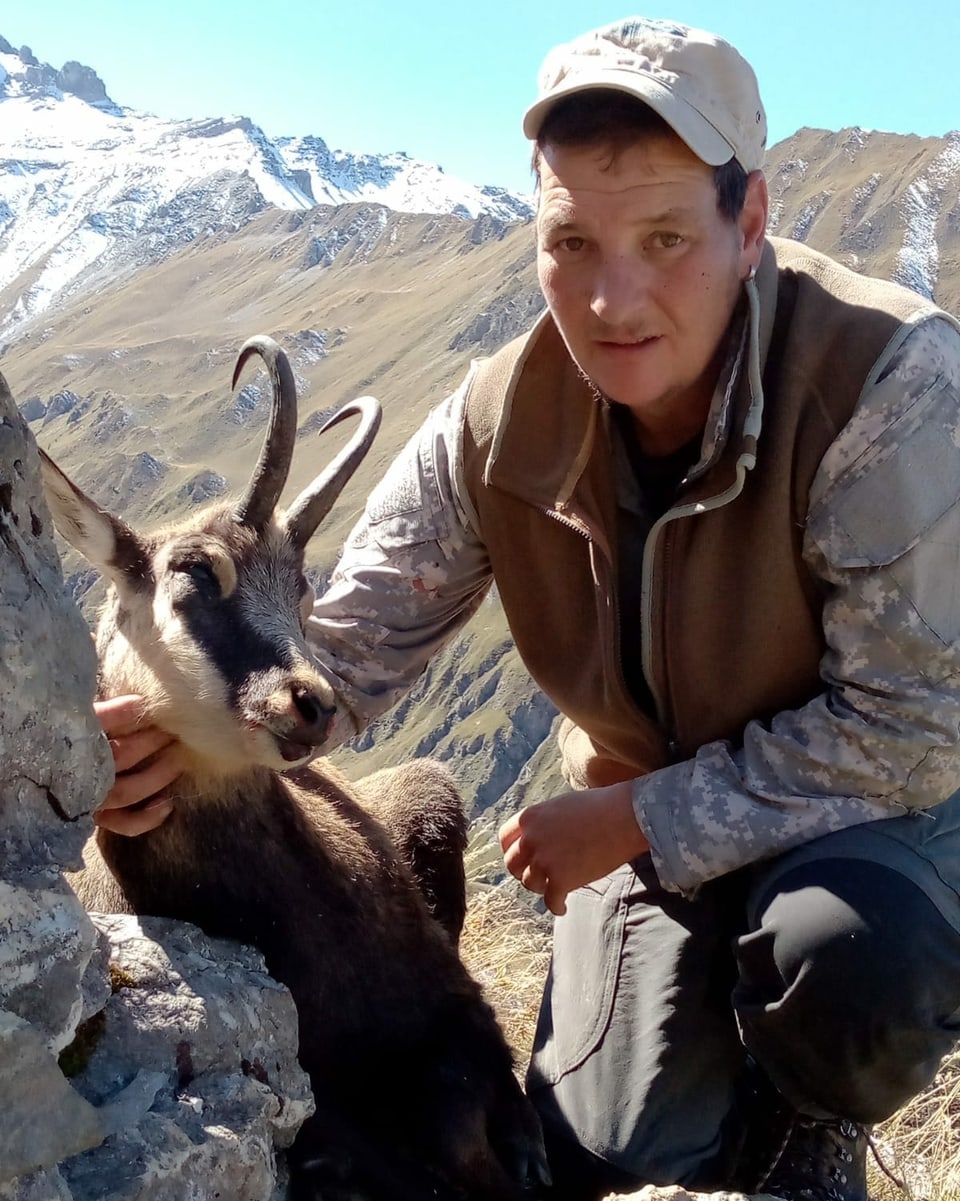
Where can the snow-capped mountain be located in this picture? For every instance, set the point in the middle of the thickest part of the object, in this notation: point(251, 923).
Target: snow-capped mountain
point(396, 180)
point(89, 188)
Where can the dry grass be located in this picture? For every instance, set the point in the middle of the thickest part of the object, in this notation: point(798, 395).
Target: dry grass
point(507, 947)
point(920, 1145)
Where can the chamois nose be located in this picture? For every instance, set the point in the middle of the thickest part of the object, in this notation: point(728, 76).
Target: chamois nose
point(315, 716)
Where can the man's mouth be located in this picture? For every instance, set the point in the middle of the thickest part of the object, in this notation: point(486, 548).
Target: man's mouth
point(628, 343)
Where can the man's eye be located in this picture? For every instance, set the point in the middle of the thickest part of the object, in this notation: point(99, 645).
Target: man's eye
point(571, 245)
point(667, 241)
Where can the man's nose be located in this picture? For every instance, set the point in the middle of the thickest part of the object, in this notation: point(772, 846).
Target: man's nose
point(621, 291)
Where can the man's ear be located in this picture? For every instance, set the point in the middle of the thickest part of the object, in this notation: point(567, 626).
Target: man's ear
point(103, 540)
point(753, 221)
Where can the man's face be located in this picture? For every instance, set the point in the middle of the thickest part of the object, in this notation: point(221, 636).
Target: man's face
point(642, 274)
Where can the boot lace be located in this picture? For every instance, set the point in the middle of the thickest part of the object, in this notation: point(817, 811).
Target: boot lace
point(818, 1161)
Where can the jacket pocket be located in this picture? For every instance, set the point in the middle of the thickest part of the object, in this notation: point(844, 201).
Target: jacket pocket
point(897, 509)
point(897, 490)
point(409, 506)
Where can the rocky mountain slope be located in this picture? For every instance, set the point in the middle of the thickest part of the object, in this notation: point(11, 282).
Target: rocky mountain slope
point(884, 203)
point(127, 384)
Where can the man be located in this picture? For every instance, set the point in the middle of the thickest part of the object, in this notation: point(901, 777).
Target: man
point(718, 486)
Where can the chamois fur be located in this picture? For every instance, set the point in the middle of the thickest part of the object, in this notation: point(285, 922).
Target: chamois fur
point(415, 1090)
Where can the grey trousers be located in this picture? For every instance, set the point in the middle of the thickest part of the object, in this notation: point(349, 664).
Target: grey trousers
point(836, 967)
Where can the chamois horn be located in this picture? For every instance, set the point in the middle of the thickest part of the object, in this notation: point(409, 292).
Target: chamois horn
point(318, 498)
point(270, 474)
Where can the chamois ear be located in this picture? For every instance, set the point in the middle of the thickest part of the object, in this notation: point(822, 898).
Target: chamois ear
point(104, 540)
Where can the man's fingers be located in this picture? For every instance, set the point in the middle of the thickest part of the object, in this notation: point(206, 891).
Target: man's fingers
point(515, 859)
point(131, 749)
point(509, 832)
point(131, 822)
point(120, 714)
point(555, 898)
point(533, 880)
point(135, 786)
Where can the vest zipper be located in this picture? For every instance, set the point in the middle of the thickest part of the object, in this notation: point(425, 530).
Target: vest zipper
point(746, 460)
point(610, 645)
point(664, 712)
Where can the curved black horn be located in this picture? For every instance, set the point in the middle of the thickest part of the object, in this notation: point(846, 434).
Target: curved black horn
point(318, 498)
point(270, 474)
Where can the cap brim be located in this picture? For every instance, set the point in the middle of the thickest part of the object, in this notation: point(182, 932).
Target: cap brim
point(688, 123)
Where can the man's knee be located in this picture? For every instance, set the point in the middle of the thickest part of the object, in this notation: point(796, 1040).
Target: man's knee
point(849, 986)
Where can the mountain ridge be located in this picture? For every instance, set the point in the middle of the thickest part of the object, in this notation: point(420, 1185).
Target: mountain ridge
point(89, 188)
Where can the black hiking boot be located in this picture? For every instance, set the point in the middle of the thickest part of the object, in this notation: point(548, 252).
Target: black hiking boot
point(789, 1155)
point(819, 1161)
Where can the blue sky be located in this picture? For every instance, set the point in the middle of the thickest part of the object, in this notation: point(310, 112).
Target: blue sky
point(448, 82)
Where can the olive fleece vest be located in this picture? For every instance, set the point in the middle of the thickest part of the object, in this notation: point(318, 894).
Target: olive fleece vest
point(734, 615)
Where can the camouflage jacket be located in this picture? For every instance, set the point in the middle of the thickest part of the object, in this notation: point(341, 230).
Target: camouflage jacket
point(881, 738)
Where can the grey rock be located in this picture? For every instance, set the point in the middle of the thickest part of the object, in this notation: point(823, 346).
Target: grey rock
point(55, 764)
point(36, 1186)
point(33, 409)
point(192, 1067)
point(44, 1118)
point(146, 468)
point(507, 316)
point(111, 419)
point(309, 345)
point(47, 939)
point(248, 405)
point(205, 485)
point(159, 1161)
point(82, 81)
point(59, 404)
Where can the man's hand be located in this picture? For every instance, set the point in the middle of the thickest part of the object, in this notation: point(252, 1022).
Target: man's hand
point(146, 759)
point(571, 840)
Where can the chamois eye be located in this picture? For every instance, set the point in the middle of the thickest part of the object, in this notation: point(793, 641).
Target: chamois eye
point(202, 574)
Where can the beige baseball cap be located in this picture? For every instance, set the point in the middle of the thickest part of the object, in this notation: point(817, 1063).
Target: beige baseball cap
point(698, 83)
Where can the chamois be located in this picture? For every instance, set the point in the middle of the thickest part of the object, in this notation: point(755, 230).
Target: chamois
point(414, 1084)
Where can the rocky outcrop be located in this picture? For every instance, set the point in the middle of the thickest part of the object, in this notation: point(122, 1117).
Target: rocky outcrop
point(138, 1059)
point(33, 409)
point(510, 314)
point(84, 82)
point(41, 79)
point(62, 402)
point(205, 486)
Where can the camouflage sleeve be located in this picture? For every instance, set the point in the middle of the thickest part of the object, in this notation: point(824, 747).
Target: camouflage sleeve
point(883, 534)
point(411, 573)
